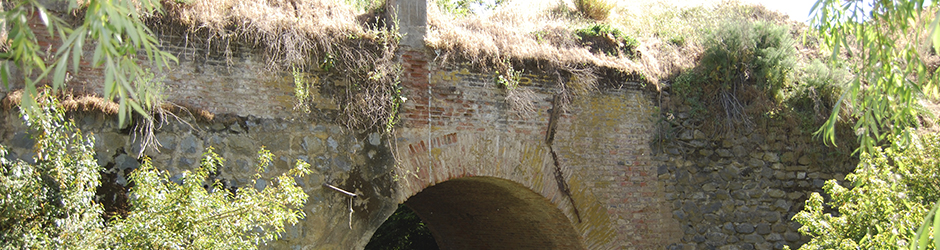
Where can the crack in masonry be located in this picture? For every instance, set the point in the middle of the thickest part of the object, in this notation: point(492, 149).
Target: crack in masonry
point(549, 138)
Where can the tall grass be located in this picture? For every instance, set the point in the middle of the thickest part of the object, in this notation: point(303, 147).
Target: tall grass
point(594, 9)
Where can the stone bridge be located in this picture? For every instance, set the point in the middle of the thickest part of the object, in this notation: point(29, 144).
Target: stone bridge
point(479, 174)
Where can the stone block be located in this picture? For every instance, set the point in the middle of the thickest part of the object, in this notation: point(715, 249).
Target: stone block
point(698, 135)
point(774, 237)
point(791, 236)
point(706, 152)
point(805, 160)
point(709, 187)
point(243, 145)
point(763, 245)
point(782, 205)
point(755, 162)
point(724, 153)
point(167, 141)
point(190, 145)
point(763, 228)
point(739, 151)
point(776, 193)
point(753, 238)
point(771, 157)
point(771, 216)
point(744, 228)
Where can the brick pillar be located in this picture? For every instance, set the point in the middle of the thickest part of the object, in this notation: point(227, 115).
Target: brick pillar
point(413, 19)
point(414, 113)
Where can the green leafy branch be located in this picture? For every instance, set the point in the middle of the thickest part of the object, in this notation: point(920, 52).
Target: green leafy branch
point(121, 43)
point(891, 77)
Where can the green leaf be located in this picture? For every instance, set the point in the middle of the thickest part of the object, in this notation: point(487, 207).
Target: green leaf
point(109, 84)
point(936, 227)
point(28, 100)
point(58, 77)
point(96, 57)
point(935, 32)
point(921, 238)
point(43, 16)
point(4, 74)
point(139, 109)
point(38, 62)
point(63, 49)
point(77, 48)
point(122, 112)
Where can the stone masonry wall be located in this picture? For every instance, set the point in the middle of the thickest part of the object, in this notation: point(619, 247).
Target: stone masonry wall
point(252, 107)
point(352, 160)
point(740, 190)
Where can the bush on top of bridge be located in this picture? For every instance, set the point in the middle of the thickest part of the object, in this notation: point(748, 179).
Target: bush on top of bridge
point(753, 69)
point(602, 38)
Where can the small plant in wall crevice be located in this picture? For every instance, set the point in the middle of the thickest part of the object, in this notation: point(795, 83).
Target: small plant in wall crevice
point(519, 99)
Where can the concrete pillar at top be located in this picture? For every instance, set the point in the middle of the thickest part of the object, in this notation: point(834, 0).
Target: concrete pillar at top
point(412, 21)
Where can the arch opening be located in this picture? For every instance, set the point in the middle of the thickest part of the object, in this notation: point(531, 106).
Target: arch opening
point(492, 213)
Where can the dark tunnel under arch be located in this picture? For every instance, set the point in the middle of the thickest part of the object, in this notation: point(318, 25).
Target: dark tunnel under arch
point(492, 213)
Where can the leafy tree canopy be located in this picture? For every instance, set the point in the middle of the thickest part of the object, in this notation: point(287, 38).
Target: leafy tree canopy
point(888, 51)
point(886, 45)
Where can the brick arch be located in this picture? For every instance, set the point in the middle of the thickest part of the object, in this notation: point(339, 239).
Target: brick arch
point(492, 213)
point(426, 160)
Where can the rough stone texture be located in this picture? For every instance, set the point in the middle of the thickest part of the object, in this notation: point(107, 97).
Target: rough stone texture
point(754, 178)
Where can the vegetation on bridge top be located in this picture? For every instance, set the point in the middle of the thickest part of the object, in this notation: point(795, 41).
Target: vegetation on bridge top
point(585, 43)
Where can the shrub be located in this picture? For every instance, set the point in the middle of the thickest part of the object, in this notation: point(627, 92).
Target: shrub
point(602, 38)
point(50, 204)
point(744, 62)
point(819, 89)
point(775, 57)
point(891, 192)
point(594, 9)
point(465, 7)
point(760, 54)
point(687, 88)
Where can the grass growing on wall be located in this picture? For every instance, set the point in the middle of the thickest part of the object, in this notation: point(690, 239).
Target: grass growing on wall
point(356, 38)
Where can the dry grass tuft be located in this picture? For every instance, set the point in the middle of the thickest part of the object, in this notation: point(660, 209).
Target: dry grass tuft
point(511, 35)
point(289, 30)
point(526, 33)
point(594, 9)
point(11, 99)
point(71, 102)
